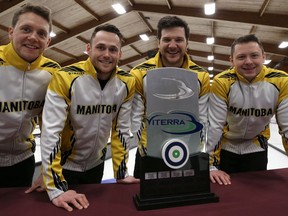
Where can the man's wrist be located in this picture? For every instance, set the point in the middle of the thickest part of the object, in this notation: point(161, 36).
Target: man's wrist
point(213, 168)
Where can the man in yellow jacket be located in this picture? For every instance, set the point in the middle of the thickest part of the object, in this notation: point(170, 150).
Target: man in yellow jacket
point(24, 77)
point(84, 102)
point(243, 100)
point(173, 35)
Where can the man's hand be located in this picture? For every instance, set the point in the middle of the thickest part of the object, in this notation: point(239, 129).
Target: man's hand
point(71, 197)
point(128, 180)
point(37, 185)
point(220, 177)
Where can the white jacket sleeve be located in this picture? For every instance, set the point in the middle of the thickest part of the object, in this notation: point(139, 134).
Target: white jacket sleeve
point(54, 117)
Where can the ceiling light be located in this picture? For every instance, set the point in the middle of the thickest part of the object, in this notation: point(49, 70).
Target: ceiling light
point(210, 57)
point(210, 68)
point(284, 44)
point(211, 75)
point(210, 40)
point(144, 37)
point(209, 8)
point(119, 8)
point(52, 34)
point(267, 61)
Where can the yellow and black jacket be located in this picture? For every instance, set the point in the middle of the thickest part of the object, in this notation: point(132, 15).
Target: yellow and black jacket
point(23, 88)
point(240, 112)
point(77, 119)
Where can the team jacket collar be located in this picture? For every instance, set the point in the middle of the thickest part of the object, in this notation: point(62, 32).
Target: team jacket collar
point(14, 59)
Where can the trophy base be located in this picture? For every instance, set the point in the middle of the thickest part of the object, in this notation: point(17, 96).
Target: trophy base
point(173, 201)
point(162, 186)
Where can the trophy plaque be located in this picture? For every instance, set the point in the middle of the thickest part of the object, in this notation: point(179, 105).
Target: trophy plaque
point(175, 171)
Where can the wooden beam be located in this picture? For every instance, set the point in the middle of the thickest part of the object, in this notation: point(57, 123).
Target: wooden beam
point(72, 61)
point(84, 27)
point(219, 41)
point(168, 4)
point(197, 38)
point(88, 9)
point(132, 59)
point(134, 48)
point(217, 67)
point(276, 20)
point(82, 39)
point(4, 28)
point(136, 38)
point(253, 30)
point(203, 54)
point(131, 2)
point(5, 5)
point(263, 7)
point(61, 27)
point(143, 19)
point(129, 66)
point(64, 53)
